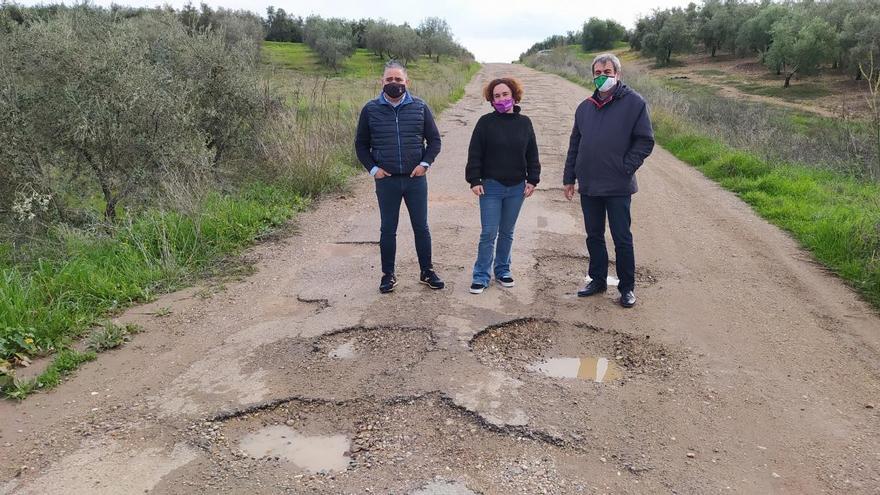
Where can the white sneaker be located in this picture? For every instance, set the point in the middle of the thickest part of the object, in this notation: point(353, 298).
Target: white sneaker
point(477, 288)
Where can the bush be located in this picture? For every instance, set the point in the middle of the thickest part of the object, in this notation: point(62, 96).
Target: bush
point(120, 107)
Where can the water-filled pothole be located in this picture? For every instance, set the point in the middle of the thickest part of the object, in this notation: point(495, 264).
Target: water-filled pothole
point(594, 369)
point(315, 454)
point(556, 350)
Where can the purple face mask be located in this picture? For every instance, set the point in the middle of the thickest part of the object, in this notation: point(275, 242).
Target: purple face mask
point(503, 106)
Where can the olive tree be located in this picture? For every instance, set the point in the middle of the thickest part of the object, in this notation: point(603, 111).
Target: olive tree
point(800, 44)
point(331, 39)
point(436, 38)
point(92, 104)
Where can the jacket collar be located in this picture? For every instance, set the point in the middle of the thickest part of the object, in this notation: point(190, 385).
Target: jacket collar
point(619, 92)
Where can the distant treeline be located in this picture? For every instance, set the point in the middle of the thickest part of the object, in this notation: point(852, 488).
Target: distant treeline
point(336, 39)
point(790, 38)
point(596, 34)
point(332, 39)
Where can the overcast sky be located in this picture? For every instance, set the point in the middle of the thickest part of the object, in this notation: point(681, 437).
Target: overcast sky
point(496, 31)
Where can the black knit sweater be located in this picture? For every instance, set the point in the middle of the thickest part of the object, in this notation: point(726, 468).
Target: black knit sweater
point(503, 147)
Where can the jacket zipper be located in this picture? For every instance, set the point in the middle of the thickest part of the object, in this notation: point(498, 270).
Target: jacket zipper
point(397, 125)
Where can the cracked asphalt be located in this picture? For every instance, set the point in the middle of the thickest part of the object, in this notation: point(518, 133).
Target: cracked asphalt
point(745, 368)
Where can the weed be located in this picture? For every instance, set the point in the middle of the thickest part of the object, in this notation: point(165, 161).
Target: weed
point(64, 363)
point(162, 312)
point(111, 336)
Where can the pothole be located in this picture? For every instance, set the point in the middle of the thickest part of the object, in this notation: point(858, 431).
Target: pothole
point(390, 446)
point(547, 349)
point(573, 268)
point(344, 363)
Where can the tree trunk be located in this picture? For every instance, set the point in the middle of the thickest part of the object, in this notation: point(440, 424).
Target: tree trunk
point(858, 75)
point(788, 80)
point(714, 48)
point(668, 55)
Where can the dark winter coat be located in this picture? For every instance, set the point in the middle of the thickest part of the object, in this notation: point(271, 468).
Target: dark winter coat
point(609, 142)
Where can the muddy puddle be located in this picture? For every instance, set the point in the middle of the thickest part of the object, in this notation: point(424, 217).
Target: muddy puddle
point(315, 454)
point(594, 369)
point(344, 351)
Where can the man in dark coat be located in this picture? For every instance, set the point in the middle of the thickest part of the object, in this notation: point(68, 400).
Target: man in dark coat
point(610, 140)
point(397, 141)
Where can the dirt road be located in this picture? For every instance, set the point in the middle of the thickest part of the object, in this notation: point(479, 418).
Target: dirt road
point(744, 368)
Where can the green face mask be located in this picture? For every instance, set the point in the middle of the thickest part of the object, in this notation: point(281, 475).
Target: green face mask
point(604, 83)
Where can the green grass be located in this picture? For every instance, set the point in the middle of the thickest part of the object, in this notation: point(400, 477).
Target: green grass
point(78, 278)
point(833, 215)
point(64, 363)
point(81, 277)
point(691, 87)
point(795, 92)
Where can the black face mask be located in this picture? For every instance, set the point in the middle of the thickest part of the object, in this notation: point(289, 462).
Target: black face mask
point(394, 90)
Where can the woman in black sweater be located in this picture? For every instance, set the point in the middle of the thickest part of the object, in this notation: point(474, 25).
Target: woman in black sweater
point(502, 169)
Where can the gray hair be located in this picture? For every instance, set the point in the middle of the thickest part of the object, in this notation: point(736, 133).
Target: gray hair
point(394, 64)
point(604, 58)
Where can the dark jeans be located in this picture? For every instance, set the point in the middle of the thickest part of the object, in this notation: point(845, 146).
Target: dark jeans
point(414, 191)
point(617, 208)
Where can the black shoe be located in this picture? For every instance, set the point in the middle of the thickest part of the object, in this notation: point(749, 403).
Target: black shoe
point(506, 282)
point(431, 279)
point(389, 281)
point(477, 288)
point(627, 299)
point(594, 287)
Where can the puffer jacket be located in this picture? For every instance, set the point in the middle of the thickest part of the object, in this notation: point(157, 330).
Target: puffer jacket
point(396, 139)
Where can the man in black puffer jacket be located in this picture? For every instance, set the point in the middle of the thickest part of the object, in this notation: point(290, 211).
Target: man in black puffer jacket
point(610, 140)
point(391, 139)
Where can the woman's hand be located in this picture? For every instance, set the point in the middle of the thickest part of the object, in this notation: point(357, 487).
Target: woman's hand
point(530, 188)
point(478, 190)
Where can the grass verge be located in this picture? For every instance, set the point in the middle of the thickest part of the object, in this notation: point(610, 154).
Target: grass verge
point(833, 215)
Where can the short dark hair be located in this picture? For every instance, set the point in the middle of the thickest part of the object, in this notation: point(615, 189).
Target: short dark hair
point(394, 64)
point(516, 89)
point(605, 58)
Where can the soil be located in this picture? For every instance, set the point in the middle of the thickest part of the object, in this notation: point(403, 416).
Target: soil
point(744, 366)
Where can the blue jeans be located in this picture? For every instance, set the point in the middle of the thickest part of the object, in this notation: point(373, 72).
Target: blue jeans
point(619, 220)
point(414, 191)
point(499, 209)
